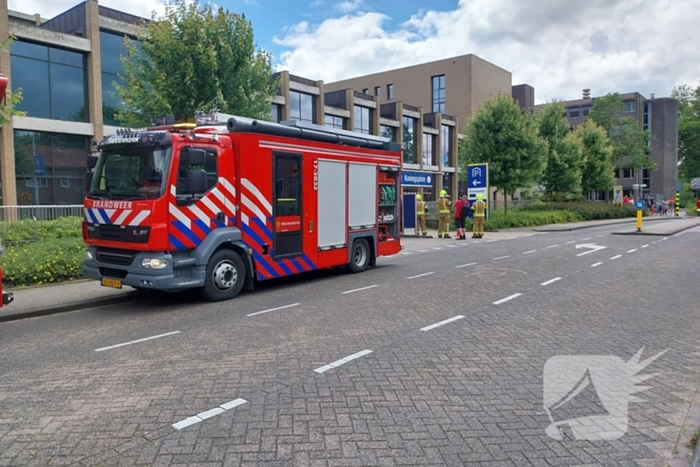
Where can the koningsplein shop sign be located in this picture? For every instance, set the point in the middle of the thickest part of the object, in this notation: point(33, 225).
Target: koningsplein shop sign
point(419, 179)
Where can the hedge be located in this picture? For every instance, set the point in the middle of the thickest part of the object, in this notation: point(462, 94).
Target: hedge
point(553, 213)
point(43, 262)
point(28, 230)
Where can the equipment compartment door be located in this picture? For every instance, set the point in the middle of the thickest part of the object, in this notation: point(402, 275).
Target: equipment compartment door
point(332, 212)
point(288, 205)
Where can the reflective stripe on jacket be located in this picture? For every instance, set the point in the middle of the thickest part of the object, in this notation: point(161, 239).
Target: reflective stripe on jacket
point(420, 208)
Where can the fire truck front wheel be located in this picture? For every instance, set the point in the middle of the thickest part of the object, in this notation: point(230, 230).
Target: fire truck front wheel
point(225, 276)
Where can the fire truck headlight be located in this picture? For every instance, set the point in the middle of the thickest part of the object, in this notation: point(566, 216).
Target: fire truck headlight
point(154, 263)
point(88, 256)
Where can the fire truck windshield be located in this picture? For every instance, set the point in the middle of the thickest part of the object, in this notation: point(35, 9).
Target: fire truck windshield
point(131, 173)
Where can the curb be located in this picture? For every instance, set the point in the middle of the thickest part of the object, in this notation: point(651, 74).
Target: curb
point(665, 234)
point(621, 221)
point(696, 457)
point(73, 306)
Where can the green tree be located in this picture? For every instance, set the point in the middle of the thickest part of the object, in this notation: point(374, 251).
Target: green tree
point(191, 59)
point(688, 131)
point(630, 143)
point(409, 151)
point(498, 133)
point(599, 169)
point(562, 174)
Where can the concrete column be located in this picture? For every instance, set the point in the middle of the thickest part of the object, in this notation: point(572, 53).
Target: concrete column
point(284, 91)
point(376, 115)
point(454, 158)
point(418, 143)
point(320, 104)
point(94, 68)
point(7, 140)
point(350, 104)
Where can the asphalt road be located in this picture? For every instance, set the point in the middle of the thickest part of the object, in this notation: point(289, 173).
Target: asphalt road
point(448, 351)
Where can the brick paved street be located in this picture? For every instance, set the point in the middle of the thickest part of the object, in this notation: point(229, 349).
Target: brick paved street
point(457, 339)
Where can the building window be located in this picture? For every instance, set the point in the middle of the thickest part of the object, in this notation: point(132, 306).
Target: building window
point(53, 81)
point(365, 91)
point(629, 106)
point(627, 173)
point(275, 112)
point(377, 91)
point(446, 145)
point(301, 106)
point(362, 119)
point(585, 110)
point(112, 48)
point(56, 159)
point(388, 132)
point(446, 184)
point(438, 86)
point(428, 146)
point(646, 125)
point(409, 131)
point(390, 91)
point(334, 121)
point(574, 112)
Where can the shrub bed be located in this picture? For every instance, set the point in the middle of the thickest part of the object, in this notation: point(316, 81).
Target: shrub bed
point(43, 262)
point(29, 230)
point(554, 213)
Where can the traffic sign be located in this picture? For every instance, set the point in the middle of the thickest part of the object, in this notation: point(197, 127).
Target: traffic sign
point(678, 186)
point(477, 176)
point(640, 204)
point(617, 195)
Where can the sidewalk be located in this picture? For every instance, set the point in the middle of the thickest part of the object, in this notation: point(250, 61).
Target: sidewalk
point(59, 298)
point(670, 227)
point(589, 224)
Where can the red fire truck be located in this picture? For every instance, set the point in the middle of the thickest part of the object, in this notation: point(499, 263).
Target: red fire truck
point(228, 201)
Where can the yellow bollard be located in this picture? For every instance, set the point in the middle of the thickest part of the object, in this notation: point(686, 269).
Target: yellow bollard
point(639, 220)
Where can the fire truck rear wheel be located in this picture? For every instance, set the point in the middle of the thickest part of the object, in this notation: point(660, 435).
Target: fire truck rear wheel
point(225, 276)
point(359, 259)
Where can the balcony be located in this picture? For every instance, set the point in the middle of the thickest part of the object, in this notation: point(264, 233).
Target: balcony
point(304, 81)
point(362, 95)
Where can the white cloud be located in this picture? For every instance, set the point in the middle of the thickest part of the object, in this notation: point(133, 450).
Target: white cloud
point(50, 8)
point(558, 47)
point(348, 6)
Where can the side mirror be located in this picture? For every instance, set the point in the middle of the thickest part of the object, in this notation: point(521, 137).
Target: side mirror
point(194, 156)
point(198, 182)
point(92, 161)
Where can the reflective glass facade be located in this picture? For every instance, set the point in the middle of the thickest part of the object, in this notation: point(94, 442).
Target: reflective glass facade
point(302, 106)
point(112, 48)
point(50, 167)
point(409, 132)
point(53, 81)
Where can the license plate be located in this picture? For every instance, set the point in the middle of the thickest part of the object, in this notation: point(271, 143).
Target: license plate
point(117, 284)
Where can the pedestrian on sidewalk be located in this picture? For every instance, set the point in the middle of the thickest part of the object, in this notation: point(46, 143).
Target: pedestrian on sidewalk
point(479, 208)
point(444, 215)
point(421, 211)
point(461, 213)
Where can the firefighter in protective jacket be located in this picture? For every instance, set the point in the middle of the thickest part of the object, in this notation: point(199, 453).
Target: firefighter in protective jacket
point(421, 211)
point(444, 215)
point(479, 208)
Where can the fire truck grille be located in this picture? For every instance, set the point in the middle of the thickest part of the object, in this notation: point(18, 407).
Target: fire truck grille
point(118, 257)
point(119, 233)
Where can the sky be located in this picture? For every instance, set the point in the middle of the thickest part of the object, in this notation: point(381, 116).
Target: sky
point(557, 46)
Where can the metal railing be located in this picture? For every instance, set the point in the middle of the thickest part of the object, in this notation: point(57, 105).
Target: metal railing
point(362, 95)
point(15, 213)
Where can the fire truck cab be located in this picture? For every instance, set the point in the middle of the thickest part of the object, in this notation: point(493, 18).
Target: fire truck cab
point(229, 201)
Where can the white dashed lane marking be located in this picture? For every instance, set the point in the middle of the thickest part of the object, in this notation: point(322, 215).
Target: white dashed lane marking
point(551, 281)
point(433, 326)
point(501, 257)
point(200, 417)
point(274, 309)
point(616, 256)
point(358, 290)
point(342, 361)
point(528, 252)
point(572, 241)
point(503, 300)
point(137, 341)
point(421, 275)
point(645, 246)
point(632, 251)
point(596, 264)
point(464, 265)
point(587, 238)
point(552, 246)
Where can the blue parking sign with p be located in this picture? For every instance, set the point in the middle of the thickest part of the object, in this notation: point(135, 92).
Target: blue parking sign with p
point(477, 176)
